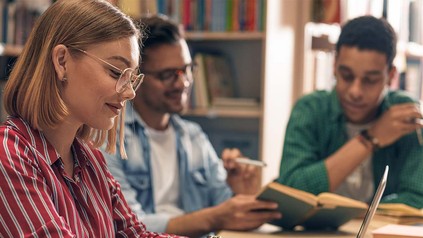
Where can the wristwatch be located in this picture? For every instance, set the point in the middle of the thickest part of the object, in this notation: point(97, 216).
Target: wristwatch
point(373, 140)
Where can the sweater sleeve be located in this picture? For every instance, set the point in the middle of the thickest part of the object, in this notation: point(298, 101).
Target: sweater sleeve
point(302, 165)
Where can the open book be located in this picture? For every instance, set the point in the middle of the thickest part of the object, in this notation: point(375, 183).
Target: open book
point(399, 213)
point(324, 211)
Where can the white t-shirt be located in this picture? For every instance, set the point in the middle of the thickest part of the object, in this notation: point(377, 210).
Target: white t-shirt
point(164, 166)
point(359, 184)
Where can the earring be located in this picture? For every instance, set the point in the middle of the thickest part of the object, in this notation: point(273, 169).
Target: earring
point(64, 79)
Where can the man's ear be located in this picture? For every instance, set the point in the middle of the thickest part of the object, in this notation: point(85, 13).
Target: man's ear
point(334, 64)
point(392, 74)
point(60, 55)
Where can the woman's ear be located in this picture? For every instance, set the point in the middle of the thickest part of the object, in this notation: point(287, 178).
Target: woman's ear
point(60, 55)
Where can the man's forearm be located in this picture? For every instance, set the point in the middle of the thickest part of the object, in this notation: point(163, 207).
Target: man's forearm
point(343, 162)
point(194, 224)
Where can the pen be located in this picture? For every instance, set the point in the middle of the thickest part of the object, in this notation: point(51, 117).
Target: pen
point(250, 162)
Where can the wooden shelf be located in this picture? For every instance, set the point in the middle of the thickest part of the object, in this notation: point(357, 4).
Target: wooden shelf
point(203, 35)
point(10, 50)
point(414, 50)
point(238, 112)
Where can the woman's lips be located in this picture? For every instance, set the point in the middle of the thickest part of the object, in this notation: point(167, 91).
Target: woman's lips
point(115, 108)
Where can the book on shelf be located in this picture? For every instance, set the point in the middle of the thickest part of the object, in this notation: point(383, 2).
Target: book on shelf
point(398, 231)
point(300, 208)
point(200, 94)
point(220, 75)
point(205, 15)
point(413, 75)
point(328, 11)
point(235, 102)
point(214, 78)
point(415, 21)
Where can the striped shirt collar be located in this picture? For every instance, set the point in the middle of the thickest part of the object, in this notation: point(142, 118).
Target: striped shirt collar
point(41, 144)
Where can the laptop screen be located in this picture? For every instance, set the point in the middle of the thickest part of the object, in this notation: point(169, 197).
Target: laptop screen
point(373, 206)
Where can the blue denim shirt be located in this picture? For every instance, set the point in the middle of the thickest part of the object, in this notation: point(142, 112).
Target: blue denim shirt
point(201, 172)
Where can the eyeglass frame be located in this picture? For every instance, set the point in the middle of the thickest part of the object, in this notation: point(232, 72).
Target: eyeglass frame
point(139, 77)
point(176, 73)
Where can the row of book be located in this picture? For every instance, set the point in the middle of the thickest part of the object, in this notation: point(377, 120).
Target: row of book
point(18, 18)
point(215, 83)
point(404, 16)
point(203, 15)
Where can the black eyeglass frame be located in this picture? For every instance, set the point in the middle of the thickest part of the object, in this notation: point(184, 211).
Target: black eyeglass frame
point(170, 75)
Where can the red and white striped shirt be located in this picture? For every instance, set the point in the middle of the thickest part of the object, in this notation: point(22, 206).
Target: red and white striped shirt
point(37, 198)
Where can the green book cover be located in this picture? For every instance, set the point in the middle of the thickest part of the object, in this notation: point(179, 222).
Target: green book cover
point(332, 218)
point(300, 208)
point(292, 208)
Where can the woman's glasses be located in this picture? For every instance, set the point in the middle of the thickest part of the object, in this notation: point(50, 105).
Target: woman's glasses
point(124, 77)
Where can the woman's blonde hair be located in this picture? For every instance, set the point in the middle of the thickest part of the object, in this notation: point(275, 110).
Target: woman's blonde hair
point(32, 91)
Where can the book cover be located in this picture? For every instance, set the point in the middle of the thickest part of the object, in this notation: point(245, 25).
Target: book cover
point(300, 208)
point(219, 76)
point(200, 88)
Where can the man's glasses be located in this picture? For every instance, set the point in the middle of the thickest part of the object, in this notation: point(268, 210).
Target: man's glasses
point(124, 77)
point(169, 76)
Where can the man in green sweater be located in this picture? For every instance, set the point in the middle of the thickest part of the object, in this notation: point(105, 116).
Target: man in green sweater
point(340, 141)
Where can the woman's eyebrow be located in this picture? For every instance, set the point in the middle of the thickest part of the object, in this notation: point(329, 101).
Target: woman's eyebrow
point(122, 59)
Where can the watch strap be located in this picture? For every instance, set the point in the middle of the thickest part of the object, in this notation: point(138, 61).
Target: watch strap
point(373, 140)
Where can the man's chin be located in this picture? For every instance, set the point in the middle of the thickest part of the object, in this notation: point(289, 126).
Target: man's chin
point(176, 109)
point(355, 119)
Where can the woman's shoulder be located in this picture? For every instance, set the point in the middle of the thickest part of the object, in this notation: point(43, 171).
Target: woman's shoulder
point(15, 130)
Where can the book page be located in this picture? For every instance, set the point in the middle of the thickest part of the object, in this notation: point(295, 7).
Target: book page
point(296, 193)
point(333, 200)
point(398, 209)
point(402, 220)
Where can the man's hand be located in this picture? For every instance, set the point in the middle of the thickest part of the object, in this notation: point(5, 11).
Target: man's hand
point(396, 122)
point(242, 178)
point(243, 212)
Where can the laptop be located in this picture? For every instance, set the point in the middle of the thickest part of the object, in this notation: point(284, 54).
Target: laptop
point(373, 206)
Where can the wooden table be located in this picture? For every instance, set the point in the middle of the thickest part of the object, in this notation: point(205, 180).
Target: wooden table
point(350, 229)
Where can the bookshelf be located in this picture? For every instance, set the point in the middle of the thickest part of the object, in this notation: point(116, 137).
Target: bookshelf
point(16, 21)
point(263, 57)
point(404, 16)
point(270, 65)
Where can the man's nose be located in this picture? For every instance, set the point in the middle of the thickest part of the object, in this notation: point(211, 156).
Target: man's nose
point(182, 77)
point(356, 89)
